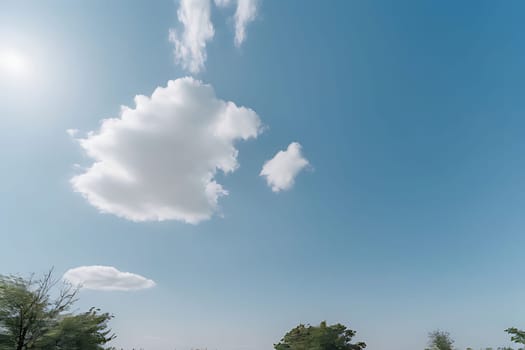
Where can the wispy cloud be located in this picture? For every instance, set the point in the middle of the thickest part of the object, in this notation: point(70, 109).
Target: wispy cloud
point(246, 12)
point(196, 29)
point(190, 44)
point(72, 132)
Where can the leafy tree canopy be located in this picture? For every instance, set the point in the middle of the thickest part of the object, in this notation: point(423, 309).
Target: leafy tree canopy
point(322, 337)
point(30, 319)
point(440, 340)
point(517, 336)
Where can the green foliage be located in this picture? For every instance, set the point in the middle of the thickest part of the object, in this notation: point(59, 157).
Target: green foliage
point(440, 340)
point(31, 320)
point(27, 311)
point(322, 337)
point(86, 331)
point(517, 336)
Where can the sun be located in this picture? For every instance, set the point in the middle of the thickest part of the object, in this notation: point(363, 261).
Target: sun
point(13, 63)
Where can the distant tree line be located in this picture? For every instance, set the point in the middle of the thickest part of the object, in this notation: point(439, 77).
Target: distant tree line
point(339, 337)
point(440, 340)
point(31, 319)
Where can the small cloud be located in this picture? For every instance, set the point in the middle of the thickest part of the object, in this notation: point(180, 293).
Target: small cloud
point(106, 278)
point(72, 132)
point(281, 170)
point(190, 45)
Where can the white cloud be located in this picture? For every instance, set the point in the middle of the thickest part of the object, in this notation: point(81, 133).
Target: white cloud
point(223, 3)
point(197, 29)
point(281, 170)
point(190, 45)
point(106, 278)
point(244, 14)
point(158, 161)
point(72, 132)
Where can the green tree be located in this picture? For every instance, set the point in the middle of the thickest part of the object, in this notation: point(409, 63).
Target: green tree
point(27, 311)
point(440, 340)
point(86, 331)
point(30, 319)
point(322, 337)
point(517, 336)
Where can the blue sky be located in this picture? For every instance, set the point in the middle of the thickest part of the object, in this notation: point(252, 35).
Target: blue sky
point(409, 217)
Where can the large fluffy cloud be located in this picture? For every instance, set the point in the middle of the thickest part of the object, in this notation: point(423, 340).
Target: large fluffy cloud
point(281, 170)
point(190, 45)
point(106, 278)
point(158, 161)
point(246, 11)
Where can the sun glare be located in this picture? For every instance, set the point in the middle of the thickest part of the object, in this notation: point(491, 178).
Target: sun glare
point(13, 63)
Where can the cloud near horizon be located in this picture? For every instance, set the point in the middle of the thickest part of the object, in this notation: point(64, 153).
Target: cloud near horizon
point(106, 278)
point(282, 169)
point(158, 161)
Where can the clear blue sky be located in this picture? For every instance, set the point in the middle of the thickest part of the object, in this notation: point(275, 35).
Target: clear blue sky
point(411, 114)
